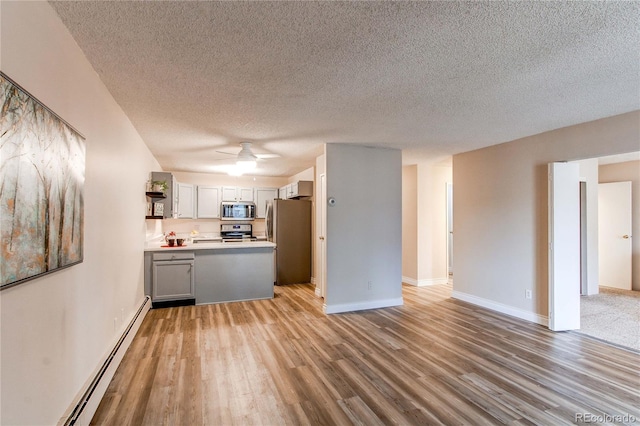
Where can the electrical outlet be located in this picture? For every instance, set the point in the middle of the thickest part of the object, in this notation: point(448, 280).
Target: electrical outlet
point(527, 294)
point(370, 285)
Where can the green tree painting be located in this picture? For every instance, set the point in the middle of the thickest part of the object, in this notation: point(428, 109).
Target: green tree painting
point(41, 188)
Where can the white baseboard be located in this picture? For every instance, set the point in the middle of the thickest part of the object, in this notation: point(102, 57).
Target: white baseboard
point(422, 283)
point(86, 403)
point(503, 309)
point(317, 291)
point(313, 280)
point(361, 306)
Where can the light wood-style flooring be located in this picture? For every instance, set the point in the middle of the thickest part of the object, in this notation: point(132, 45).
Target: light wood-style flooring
point(434, 360)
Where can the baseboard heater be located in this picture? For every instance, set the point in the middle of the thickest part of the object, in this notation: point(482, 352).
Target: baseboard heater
point(79, 408)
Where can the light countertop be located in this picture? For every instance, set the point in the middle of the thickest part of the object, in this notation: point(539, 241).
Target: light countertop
point(156, 246)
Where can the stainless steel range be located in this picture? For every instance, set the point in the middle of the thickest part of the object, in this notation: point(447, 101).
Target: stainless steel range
point(236, 233)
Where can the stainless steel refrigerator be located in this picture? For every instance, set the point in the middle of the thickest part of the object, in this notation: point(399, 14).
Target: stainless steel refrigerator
point(288, 225)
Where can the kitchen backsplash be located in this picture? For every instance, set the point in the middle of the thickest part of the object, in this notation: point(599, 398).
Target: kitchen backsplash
point(185, 228)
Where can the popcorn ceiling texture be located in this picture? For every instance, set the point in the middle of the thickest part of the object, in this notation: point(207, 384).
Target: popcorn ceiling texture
point(433, 78)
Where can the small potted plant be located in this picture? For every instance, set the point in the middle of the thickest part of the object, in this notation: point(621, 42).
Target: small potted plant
point(159, 186)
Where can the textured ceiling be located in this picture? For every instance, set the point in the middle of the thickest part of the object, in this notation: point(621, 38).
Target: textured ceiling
point(431, 78)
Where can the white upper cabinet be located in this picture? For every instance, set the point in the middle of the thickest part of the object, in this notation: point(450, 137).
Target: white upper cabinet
point(301, 188)
point(245, 194)
point(185, 201)
point(229, 193)
point(208, 205)
point(283, 192)
point(262, 195)
point(234, 193)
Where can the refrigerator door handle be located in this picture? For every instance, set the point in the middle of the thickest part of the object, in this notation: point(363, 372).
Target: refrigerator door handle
point(267, 221)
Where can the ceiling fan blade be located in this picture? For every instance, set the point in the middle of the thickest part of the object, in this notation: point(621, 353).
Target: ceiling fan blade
point(267, 156)
point(227, 153)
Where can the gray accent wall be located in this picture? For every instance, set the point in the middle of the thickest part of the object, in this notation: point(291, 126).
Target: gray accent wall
point(364, 228)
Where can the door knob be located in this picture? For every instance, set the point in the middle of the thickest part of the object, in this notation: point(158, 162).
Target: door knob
point(626, 237)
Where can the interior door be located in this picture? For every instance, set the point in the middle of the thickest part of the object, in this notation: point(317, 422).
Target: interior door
point(322, 248)
point(564, 246)
point(450, 228)
point(614, 234)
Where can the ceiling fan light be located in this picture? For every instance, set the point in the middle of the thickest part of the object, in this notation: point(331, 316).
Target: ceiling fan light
point(246, 165)
point(235, 171)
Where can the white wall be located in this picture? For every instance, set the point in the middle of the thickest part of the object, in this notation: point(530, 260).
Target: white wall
point(410, 224)
point(308, 174)
point(500, 202)
point(620, 172)
point(364, 229)
point(56, 329)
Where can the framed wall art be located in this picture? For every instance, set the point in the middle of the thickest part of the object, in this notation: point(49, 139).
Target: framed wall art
point(42, 166)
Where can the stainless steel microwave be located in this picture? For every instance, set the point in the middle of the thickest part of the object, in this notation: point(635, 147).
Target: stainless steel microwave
point(237, 210)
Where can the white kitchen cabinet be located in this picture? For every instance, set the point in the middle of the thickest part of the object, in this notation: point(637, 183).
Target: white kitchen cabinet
point(208, 204)
point(229, 193)
point(235, 193)
point(283, 193)
point(301, 188)
point(261, 196)
point(185, 201)
point(245, 194)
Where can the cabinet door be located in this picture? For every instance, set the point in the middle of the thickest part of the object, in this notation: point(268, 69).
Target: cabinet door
point(293, 190)
point(283, 192)
point(229, 193)
point(173, 280)
point(208, 205)
point(263, 195)
point(245, 194)
point(185, 201)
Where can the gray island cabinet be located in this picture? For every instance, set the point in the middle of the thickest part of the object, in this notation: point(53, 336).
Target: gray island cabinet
point(209, 273)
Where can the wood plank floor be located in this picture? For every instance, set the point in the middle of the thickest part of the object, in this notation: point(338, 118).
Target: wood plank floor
point(434, 360)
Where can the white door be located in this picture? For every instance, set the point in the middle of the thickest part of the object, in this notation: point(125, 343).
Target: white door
point(614, 234)
point(322, 247)
point(564, 246)
point(450, 228)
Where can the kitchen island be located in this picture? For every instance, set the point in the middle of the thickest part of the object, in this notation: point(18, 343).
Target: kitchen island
point(211, 272)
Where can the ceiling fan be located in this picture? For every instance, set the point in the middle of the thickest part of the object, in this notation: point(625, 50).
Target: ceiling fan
point(246, 160)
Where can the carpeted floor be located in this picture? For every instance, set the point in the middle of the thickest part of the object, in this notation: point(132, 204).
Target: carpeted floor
point(613, 316)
